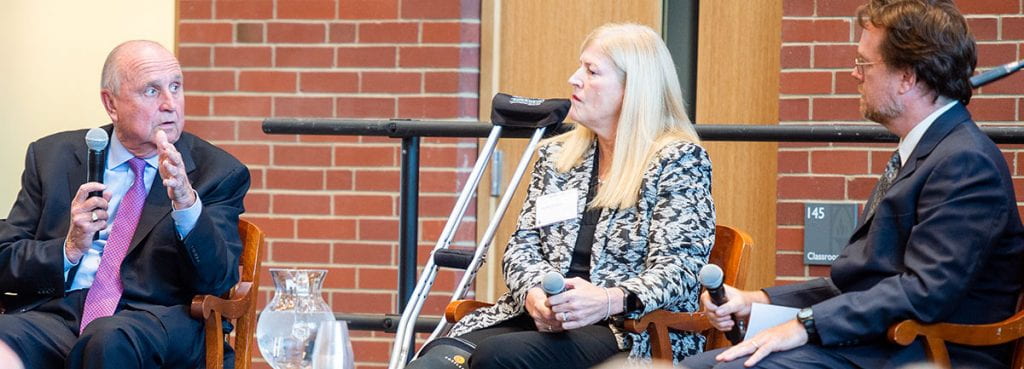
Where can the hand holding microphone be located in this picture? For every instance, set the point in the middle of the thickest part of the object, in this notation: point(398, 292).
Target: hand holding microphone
point(538, 306)
point(553, 283)
point(89, 206)
point(725, 305)
point(578, 303)
point(96, 139)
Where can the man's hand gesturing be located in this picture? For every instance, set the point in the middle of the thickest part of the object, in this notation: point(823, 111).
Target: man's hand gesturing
point(172, 171)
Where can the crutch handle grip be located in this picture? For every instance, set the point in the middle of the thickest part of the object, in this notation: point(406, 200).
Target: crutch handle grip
point(528, 112)
point(455, 259)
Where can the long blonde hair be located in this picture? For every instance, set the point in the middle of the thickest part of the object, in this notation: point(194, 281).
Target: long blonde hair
point(651, 116)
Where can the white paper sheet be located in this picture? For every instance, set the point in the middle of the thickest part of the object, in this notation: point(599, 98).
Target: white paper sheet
point(764, 316)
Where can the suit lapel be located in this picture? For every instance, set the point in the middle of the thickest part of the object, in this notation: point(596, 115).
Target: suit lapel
point(158, 205)
point(942, 126)
point(77, 172)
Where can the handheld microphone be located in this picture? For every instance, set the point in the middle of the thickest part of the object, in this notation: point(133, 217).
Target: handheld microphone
point(711, 277)
point(996, 73)
point(553, 283)
point(96, 139)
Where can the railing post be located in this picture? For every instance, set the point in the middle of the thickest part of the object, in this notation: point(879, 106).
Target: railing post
point(408, 216)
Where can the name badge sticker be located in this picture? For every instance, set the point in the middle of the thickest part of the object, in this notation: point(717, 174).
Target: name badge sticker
point(556, 207)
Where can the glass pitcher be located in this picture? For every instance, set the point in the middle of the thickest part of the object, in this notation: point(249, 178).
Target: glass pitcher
point(287, 327)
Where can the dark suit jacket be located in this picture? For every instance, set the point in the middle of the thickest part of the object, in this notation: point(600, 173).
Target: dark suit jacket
point(159, 270)
point(944, 245)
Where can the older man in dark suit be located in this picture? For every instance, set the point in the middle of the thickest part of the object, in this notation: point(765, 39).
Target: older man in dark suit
point(940, 239)
point(105, 281)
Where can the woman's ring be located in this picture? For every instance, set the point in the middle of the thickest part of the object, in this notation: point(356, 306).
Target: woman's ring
point(756, 345)
point(94, 217)
point(565, 316)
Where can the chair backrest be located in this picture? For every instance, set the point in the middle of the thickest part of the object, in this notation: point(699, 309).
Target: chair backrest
point(1018, 348)
point(249, 267)
point(732, 253)
point(238, 306)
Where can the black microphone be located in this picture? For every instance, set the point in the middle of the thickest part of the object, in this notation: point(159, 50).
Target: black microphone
point(996, 73)
point(553, 283)
point(711, 277)
point(96, 139)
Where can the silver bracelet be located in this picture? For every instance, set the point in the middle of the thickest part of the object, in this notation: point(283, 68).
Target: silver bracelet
point(608, 298)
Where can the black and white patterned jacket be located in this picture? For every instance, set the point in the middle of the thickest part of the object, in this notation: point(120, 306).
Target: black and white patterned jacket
point(654, 249)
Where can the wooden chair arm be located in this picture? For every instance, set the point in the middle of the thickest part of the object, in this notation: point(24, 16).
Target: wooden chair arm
point(1005, 331)
point(657, 324)
point(937, 334)
point(233, 308)
point(690, 322)
point(459, 308)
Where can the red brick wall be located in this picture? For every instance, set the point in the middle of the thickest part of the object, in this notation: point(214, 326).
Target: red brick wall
point(819, 42)
point(332, 201)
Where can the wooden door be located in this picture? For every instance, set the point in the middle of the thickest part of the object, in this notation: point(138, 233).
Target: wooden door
point(530, 47)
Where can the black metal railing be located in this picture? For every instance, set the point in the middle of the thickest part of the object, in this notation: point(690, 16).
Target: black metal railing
point(410, 132)
point(403, 128)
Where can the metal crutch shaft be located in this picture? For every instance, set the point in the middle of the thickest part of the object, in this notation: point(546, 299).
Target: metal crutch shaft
point(400, 350)
point(492, 227)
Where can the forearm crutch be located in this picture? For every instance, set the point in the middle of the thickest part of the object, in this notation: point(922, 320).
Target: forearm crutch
point(507, 111)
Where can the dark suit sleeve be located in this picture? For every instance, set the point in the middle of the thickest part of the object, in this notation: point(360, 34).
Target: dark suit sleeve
point(962, 201)
point(213, 245)
point(802, 295)
point(31, 263)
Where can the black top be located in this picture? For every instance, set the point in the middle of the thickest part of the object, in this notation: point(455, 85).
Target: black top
point(580, 266)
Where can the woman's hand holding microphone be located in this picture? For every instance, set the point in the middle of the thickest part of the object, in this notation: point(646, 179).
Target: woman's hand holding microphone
point(563, 304)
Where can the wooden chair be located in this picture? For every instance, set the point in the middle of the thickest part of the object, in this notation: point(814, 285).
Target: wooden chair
point(238, 305)
point(936, 335)
point(731, 252)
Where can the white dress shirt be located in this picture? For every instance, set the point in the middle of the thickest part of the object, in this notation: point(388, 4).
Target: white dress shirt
point(907, 144)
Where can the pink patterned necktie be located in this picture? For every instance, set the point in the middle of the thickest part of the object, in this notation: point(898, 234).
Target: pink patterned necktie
point(102, 298)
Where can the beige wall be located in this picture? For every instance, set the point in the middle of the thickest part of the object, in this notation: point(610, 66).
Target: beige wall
point(50, 69)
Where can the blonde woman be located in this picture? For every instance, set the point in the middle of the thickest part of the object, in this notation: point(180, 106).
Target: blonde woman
point(621, 206)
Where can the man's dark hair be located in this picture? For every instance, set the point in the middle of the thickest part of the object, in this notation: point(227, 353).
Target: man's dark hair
point(929, 37)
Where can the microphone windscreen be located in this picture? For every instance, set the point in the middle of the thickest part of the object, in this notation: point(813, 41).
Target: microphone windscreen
point(710, 276)
point(96, 139)
point(553, 283)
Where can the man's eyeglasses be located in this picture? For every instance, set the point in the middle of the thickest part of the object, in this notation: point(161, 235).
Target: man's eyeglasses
point(859, 63)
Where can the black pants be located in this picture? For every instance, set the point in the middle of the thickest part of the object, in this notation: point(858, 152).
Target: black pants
point(806, 356)
point(47, 337)
point(517, 344)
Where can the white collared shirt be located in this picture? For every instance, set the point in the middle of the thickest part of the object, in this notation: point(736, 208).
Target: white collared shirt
point(908, 143)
